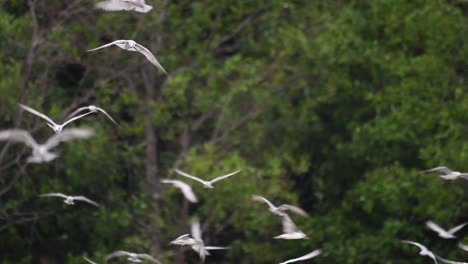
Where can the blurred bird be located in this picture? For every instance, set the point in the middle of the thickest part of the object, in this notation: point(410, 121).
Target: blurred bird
point(56, 127)
point(124, 5)
point(450, 261)
point(70, 200)
point(280, 209)
point(41, 153)
point(447, 173)
point(132, 257)
point(185, 188)
point(92, 109)
point(199, 246)
point(184, 240)
point(442, 232)
point(424, 251)
point(206, 184)
point(131, 45)
point(312, 254)
point(89, 261)
point(290, 231)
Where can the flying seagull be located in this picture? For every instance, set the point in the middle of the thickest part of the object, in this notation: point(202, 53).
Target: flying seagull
point(312, 254)
point(124, 5)
point(185, 188)
point(447, 234)
point(206, 184)
point(131, 45)
point(463, 247)
point(89, 261)
point(447, 174)
point(450, 261)
point(280, 209)
point(132, 257)
point(424, 251)
point(70, 200)
point(41, 153)
point(92, 109)
point(290, 231)
point(56, 127)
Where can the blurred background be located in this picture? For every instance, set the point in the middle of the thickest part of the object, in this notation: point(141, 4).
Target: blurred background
point(334, 106)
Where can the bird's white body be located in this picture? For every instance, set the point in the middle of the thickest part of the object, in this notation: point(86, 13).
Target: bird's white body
point(206, 184)
point(70, 200)
point(290, 231)
point(423, 250)
point(124, 5)
point(293, 235)
point(446, 234)
point(448, 174)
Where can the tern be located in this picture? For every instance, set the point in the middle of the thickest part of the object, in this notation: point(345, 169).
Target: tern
point(450, 261)
point(447, 174)
point(447, 234)
point(92, 109)
point(56, 127)
point(463, 247)
point(280, 209)
point(290, 231)
point(41, 153)
point(131, 45)
point(70, 200)
point(124, 5)
point(89, 261)
point(206, 184)
point(312, 254)
point(424, 251)
point(132, 257)
point(185, 188)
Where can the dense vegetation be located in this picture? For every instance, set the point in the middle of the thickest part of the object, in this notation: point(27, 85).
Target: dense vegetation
point(331, 105)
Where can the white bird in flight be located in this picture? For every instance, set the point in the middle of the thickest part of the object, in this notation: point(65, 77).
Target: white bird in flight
point(280, 209)
point(41, 152)
point(185, 188)
point(92, 109)
point(124, 5)
point(132, 257)
point(70, 200)
point(131, 45)
point(447, 174)
point(56, 127)
point(206, 184)
point(424, 251)
point(312, 254)
point(290, 230)
point(447, 234)
point(450, 261)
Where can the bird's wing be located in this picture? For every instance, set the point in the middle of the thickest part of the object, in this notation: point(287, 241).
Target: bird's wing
point(39, 114)
point(67, 135)
point(420, 246)
point(18, 135)
point(259, 198)
point(457, 228)
point(293, 209)
point(462, 246)
point(186, 190)
point(105, 113)
point(181, 237)
point(312, 254)
point(141, 6)
point(118, 253)
point(84, 199)
point(88, 260)
point(148, 257)
point(61, 195)
point(150, 57)
point(114, 5)
point(196, 230)
point(450, 261)
point(75, 118)
point(81, 109)
point(433, 226)
point(440, 168)
point(224, 177)
point(216, 248)
point(108, 45)
point(188, 176)
point(288, 224)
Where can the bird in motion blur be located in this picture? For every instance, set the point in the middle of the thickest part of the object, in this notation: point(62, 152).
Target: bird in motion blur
point(424, 251)
point(447, 234)
point(447, 174)
point(131, 45)
point(92, 109)
point(450, 261)
point(185, 188)
point(70, 200)
point(280, 209)
point(312, 254)
point(56, 127)
point(124, 5)
point(41, 152)
point(290, 230)
point(206, 184)
point(132, 257)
